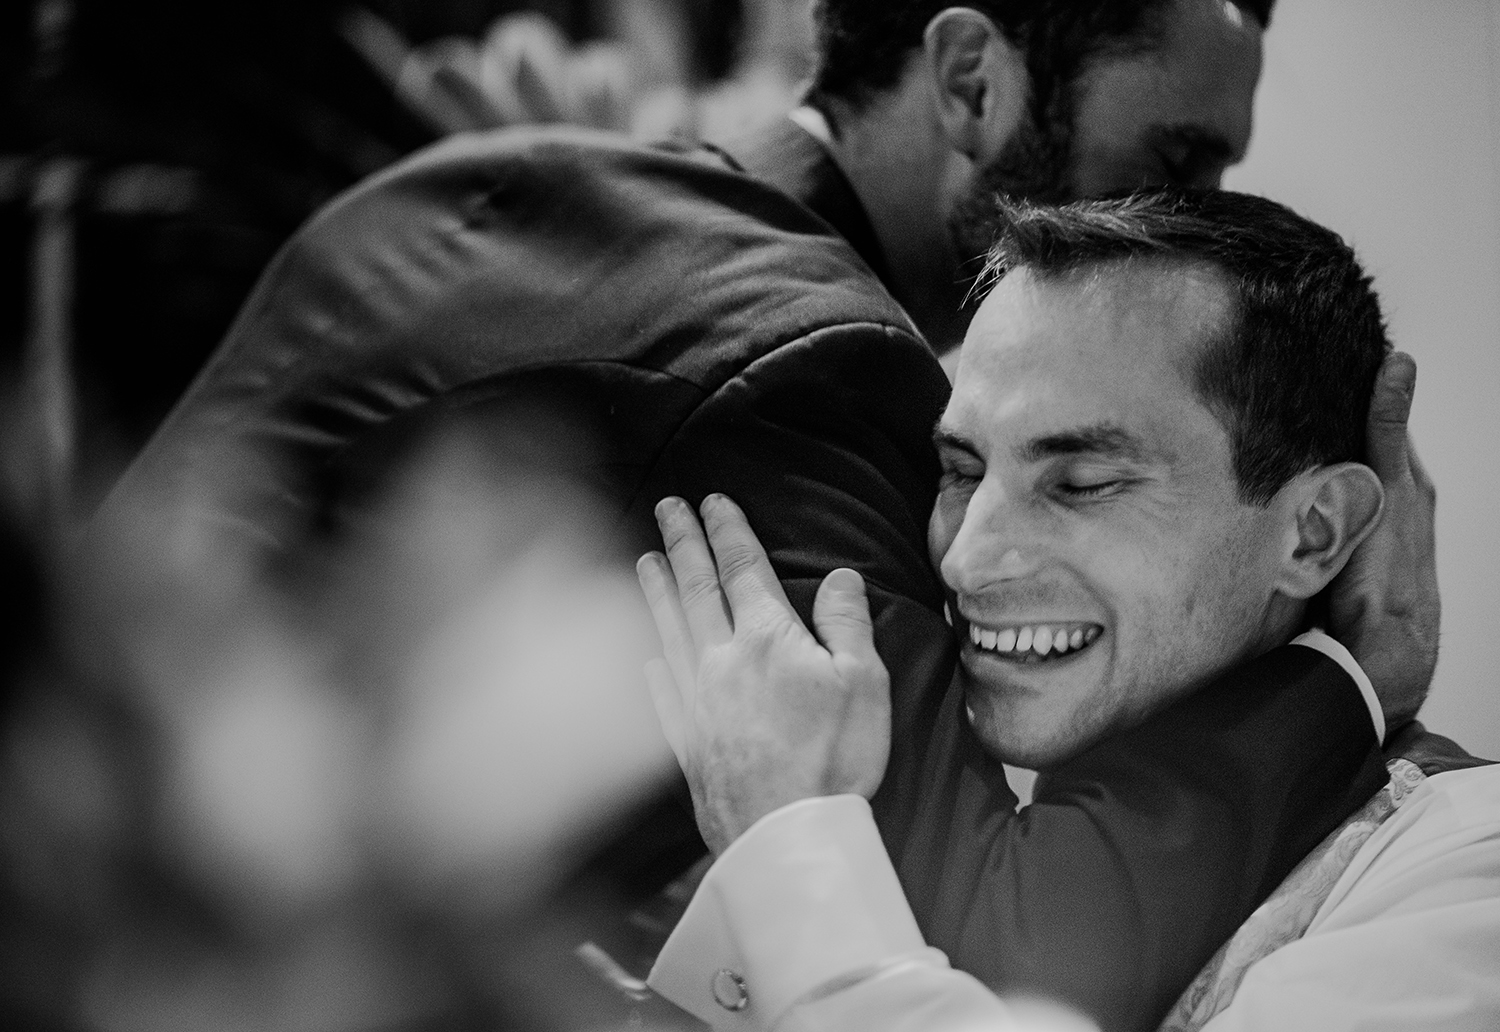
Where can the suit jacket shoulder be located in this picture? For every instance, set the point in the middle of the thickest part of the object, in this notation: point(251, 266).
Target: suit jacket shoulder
point(490, 256)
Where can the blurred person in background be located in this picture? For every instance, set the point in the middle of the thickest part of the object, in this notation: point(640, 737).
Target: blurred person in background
point(640, 79)
point(669, 321)
point(181, 143)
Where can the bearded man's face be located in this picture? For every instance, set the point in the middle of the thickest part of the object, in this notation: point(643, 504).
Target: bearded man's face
point(1175, 113)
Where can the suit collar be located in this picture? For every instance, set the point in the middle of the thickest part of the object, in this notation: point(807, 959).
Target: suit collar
point(789, 158)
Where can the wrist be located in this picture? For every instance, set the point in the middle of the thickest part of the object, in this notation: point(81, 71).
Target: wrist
point(734, 802)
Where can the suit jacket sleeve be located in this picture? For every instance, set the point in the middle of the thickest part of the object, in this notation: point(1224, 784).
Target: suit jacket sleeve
point(1139, 858)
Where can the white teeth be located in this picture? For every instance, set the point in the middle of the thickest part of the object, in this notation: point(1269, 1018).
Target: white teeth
point(1043, 641)
point(1040, 641)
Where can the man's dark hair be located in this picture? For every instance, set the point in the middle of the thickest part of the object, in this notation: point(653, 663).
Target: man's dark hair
point(863, 45)
point(1291, 377)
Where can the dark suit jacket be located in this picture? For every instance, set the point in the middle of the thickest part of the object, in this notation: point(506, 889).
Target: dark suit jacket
point(712, 330)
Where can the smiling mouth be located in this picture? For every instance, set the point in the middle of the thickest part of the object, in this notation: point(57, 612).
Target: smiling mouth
point(1034, 643)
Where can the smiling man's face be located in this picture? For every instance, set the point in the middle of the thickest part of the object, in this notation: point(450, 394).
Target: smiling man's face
point(1099, 559)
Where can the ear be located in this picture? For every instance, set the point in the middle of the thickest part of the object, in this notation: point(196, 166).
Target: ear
point(980, 78)
point(1334, 508)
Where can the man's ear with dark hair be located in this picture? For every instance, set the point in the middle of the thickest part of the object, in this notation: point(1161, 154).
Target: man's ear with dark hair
point(1332, 509)
point(980, 81)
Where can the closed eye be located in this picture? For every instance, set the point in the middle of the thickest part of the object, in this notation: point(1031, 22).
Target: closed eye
point(959, 478)
point(958, 459)
point(1090, 490)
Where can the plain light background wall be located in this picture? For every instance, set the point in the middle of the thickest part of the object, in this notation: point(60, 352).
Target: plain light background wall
point(1381, 119)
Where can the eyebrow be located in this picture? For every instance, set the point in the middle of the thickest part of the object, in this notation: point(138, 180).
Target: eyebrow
point(1102, 439)
point(943, 435)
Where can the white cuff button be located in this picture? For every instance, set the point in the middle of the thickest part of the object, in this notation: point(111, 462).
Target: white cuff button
point(729, 990)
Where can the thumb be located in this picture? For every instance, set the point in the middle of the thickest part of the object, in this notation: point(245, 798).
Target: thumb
point(1390, 406)
point(841, 614)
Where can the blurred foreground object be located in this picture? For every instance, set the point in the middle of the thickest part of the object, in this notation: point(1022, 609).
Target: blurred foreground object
point(233, 804)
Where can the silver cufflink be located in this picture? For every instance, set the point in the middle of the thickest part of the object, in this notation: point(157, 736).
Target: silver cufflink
point(729, 990)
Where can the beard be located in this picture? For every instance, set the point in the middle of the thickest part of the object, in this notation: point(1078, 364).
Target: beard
point(1032, 166)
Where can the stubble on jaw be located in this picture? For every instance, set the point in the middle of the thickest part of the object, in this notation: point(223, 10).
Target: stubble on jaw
point(1032, 166)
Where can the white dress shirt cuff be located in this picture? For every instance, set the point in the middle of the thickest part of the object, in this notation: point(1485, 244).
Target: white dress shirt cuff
point(1316, 639)
point(798, 902)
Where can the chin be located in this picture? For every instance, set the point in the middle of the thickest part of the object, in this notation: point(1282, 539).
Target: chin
point(1010, 731)
point(1028, 755)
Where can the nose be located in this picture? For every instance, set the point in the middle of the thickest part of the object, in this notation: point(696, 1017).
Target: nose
point(994, 539)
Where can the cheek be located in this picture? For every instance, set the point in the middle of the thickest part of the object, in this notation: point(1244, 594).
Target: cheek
point(1202, 593)
point(1120, 565)
point(1108, 149)
point(1148, 581)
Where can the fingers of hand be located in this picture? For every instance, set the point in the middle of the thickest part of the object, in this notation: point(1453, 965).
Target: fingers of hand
point(749, 582)
point(671, 625)
point(841, 614)
point(667, 699)
point(1409, 523)
point(1423, 483)
point(1390, 406)
point(1395, 386)
point(697, 576)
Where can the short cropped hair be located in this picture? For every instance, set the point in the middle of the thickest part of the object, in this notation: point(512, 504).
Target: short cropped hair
point(1291, 378)
point(863, 45)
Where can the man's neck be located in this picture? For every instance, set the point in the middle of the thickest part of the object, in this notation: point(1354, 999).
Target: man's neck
point(898, 163)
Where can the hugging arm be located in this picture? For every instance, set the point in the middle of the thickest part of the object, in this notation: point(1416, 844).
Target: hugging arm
point(786, 733)
point(1385, 604)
